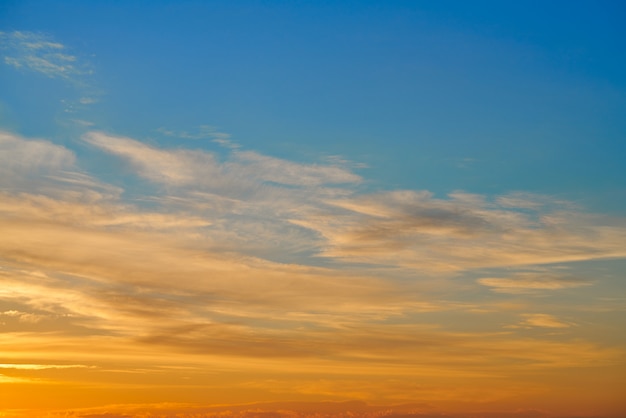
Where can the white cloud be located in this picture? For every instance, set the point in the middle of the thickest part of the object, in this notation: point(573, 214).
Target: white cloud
point(203, 132)
point(178, 167)
point(226, 142)
point(289, 173)
point(37, 52)
point(21, 157)
point(249, 198)
point(183, 167)
point(40, 166)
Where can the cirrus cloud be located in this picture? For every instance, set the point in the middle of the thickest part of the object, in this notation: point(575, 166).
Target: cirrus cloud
point(528, 282)
point(40, 53)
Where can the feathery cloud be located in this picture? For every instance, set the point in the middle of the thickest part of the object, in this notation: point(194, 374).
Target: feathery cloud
point(399, 228)
point(38, 52)
point(529, 282)
point(183, 167)
point(543, 321)
point(417, 231)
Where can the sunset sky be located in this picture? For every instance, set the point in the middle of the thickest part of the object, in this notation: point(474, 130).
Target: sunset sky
point(312, 208)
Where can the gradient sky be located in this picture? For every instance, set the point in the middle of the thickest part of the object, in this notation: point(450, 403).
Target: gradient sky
point(289, 209)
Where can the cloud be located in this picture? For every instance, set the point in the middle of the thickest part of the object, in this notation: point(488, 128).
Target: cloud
point(188, 278)
point(172, 295)
point(417, 231)
point(258, 206)
point(529, 282)
point(88, 100)
point(41, 366)
point(203, 132)
point(23, 317)
point(198, 271)
point(115, 287)
point(226, 143)
point(319, 206)
point(42, 167)
point(543, 321)
point(249, 197)
point(39, 53)
point(288, 173)
point(11, 379)
point(25, 158)
point(176, 168)
point(107, 213)
point(183, 167)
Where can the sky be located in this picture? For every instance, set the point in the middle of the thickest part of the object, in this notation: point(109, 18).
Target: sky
point(276, 209)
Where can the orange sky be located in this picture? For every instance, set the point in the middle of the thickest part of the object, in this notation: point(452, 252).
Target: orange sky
point(312, 209)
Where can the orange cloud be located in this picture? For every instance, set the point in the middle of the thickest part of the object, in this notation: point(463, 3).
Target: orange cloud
point(257, 278)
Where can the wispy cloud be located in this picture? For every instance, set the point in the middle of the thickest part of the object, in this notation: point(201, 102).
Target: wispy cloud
point(289, 173)
point(182, 167)
point(41, 366)
point(251, 197)
point(399, 228)
point(418, 231)
point(543, 321)
point(40, 166)
point(190, 276)
point(23, 316)
point(203, 132)
point(38, 52)
point(529, 282)
point(22, 158)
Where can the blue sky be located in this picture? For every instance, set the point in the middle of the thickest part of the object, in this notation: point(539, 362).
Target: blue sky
point(483, 96)
point(219, 188)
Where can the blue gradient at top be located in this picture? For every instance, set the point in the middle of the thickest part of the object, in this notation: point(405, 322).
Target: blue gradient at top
point(484, 96)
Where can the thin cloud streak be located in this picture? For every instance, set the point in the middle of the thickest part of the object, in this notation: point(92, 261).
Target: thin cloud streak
point(182, 167)
point(37, 52)
point(543, 320)
point(41, 366)
point(530, 282)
